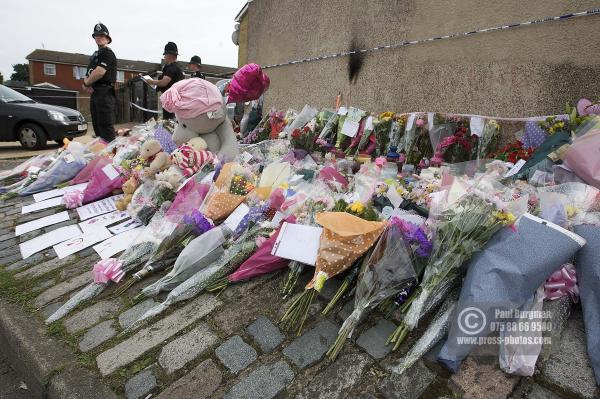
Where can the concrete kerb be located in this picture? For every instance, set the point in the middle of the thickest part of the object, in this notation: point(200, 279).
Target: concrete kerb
point(48, 367)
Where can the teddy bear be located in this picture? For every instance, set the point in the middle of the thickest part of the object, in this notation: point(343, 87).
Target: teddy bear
point(200, 112)
point(128, 188)
point(189, 160)
point(173, 176)
point(152, 153)
point(197, 143)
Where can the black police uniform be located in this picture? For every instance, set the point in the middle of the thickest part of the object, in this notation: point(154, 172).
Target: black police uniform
point(174, 72)
point(103, 100)
point(198, 61)
point(198, 74)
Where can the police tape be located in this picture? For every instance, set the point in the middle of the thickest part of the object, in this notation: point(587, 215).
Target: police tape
point(405, 43)
point(144, 109)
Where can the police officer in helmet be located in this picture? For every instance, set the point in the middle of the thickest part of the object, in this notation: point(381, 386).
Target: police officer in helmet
point(194, 67)
point(171, 74)
point(99, 82)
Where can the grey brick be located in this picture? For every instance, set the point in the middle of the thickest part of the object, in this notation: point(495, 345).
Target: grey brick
point(265, 334)
point(310, 347)
point(235, 354)
point(263, 383)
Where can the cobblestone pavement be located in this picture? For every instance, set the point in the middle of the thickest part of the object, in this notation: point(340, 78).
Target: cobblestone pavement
point(230, 345)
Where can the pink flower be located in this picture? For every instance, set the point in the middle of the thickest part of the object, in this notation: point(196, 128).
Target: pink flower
point(420, 122)
point(402, 158)
point(380, 161)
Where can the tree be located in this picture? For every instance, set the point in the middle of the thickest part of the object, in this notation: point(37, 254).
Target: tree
point(21, 72)
point(1, 78)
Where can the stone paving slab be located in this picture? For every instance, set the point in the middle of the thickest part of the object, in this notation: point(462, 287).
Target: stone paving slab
point(199, 383)
point(129, 316)
point(97, 335)
point(265, 334)
point(311, 346)
point(373, 340)
point(186, 348)
point(138, 386)
point(63, 288)
point(92, 314)
point(149, 337)
point(410, 384)
point(235, 354)
point(265, 382)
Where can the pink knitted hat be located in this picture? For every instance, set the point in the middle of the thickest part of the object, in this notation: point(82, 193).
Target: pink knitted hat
point(247, 84)
point(190, 98)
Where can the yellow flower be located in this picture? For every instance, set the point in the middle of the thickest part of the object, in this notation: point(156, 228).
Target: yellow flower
point(571, 210)
point(505, 217)
point(284, 186)
point(357, 207)
point(320, 280)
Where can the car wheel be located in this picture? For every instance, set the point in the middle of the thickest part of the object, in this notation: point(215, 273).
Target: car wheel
point(32, 136)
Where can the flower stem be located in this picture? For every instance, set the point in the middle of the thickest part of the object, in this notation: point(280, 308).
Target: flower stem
point(340, 292)
point(337, 346)
point(218, 285)
point(295, 316)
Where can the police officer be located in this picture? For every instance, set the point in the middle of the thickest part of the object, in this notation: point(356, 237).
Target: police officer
point(194, 66)
point(171, 74)
point(99, 82)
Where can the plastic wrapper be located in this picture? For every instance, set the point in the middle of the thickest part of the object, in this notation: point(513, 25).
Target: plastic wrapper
point(576, 202)
point(506, 274)
point(388, 270)
point(588, 274)
point(231, 259)
point(437, 329)
point(272, 176)
point(100, 184)
point(514, 358)
point(198, 254)
point(228, 191)
point(302, 119)
point(148, 198)
point(19, 172)
point(583, 159)
point(85, 173)
point(64, 169)
point(551, 144)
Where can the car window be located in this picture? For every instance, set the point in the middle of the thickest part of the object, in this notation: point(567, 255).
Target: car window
point(8, 95)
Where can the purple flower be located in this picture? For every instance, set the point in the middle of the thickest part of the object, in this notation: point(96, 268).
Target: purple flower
point(414, 236)
point(199, 222)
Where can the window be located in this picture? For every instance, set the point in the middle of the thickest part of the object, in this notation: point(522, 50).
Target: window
point(49, 69)
point(120, 76)
point(79, 72)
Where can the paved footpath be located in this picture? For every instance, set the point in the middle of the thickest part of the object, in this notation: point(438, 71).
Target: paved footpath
point(230, 345)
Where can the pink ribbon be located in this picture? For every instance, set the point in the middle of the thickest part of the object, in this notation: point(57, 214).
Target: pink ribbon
point(561, 283)
point(108, 269)
point(73, 199)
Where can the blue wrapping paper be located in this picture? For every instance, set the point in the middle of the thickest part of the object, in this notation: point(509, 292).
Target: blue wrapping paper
point(588, 278)
point(502, 278)
point(63, 170)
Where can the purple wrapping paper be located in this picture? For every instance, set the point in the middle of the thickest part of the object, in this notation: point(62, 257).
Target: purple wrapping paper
point(588, 278)
point(503, 277)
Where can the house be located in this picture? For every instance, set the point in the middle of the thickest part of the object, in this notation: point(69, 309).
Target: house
point(514, 72)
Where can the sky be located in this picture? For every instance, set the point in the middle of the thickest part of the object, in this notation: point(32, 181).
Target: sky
point(139, 29)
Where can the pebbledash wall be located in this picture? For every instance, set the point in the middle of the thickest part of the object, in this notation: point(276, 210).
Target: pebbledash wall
point(522, 72)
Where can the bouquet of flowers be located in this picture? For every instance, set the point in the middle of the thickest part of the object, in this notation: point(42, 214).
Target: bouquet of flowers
point(553, 124)
point(103, 180)
point(489, 139)
point(512, 152)
point(228, 192)
point(344, 239)
point(382, 126)
point(64, 168)
point(235, 254)
point(303, 139)
point(388, 270)
point(456, 148)
point(148, 198)
point(18, 173)
point(462, 230)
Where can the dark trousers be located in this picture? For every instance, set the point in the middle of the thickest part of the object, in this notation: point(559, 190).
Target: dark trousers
point(102, 108)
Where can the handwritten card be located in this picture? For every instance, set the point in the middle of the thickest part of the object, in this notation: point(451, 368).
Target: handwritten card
point(47, 240)
point(42, 222)
point(298, 242)
point(81, 242)
point(98, 208)
point(515, 169)
point(125, 226)
point(110, 172)
point(350, 128)
point(103, 220)
point(116, 244)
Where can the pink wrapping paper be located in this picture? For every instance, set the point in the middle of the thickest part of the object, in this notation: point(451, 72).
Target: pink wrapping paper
point(86, 172)
point(100, 185)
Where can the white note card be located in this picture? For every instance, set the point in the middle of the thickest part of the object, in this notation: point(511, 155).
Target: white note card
point(515, 169)
point(116, 244)
point(98, 208)
point(58, 192)
point(236, 216)
point(47, 240)
point(110, 172)
point(350, 128)
point(81, 242)
point(298, 242)
point(124, 226)
point(42, 222)
point(103, 220)
point(38, 206)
